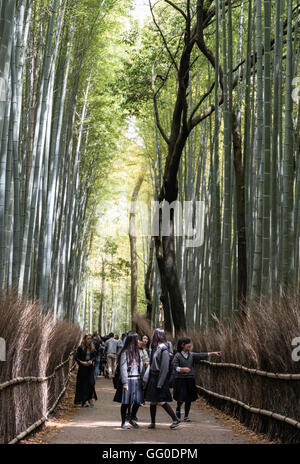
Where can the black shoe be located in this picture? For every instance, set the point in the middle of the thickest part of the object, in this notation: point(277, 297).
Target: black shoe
point(186, 419)
point(178, 414)
point(151, 426)
point(174, 424)
point(133, 423)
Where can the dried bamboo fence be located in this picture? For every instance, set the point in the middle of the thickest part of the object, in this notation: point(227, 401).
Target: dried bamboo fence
point(267, 402)
point(58, 380)
point(39, 422)
point(39, 357)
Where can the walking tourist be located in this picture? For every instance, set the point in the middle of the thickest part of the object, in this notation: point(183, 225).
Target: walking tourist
point(85, 383)
point(111, 348)
point(97, 344)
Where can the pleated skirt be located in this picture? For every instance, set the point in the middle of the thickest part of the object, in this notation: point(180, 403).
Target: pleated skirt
point(185, 389)
point(155, 395)
point(134, 394)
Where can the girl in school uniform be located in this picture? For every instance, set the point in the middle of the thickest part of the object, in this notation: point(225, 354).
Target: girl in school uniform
point(185, 390)
point(130, 390)
point(145, 345)
point(145, 359)
point(156, 378)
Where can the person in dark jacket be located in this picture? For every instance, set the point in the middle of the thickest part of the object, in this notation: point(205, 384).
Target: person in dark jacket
point(85, 383)
point(156, 378)
point(185, 390)
point(97, 342)
point(102, 359)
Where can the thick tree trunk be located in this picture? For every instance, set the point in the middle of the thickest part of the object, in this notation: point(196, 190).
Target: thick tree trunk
point(172, 283)
point(172, 298)
point(164, 296)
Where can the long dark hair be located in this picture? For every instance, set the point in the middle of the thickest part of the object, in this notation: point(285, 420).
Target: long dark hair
point(131, 347)
point(182, 341)
point(159, 336)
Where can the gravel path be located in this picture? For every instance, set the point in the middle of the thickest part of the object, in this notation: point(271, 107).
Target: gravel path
point(101, 424)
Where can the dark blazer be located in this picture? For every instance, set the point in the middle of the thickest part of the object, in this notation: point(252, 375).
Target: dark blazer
point(81, 354)
point(85, 383)
point(180, 361)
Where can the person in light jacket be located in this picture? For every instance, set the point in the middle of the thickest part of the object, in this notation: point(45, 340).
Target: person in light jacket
point(129, 391)
point(157, 377)
point(185, 390)
point(111, 348)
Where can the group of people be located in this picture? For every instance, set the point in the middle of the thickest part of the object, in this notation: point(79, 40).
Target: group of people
point(144, 371)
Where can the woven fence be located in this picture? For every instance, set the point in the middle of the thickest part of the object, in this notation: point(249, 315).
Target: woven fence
point(40, 356)
point(31, 400)
point(55, 376)
point(267, 402)
point(257, 379)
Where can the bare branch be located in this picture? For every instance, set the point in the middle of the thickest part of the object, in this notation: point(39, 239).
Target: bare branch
point(200, 102)
point(163, 37)
point(160, 128)
point(155, 92)
point(177, 8)
point(210, 109)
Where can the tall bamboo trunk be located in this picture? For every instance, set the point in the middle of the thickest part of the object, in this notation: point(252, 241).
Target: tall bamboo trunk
point(267, 150)
point(102, 296)
point(288, 165)
point(133, 250)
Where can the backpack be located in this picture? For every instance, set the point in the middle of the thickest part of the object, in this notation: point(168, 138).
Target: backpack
point(117, 378)
point(171, 372)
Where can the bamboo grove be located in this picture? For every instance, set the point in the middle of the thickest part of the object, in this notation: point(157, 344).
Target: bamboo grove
point(224, 99)
point(213, 89)
point(53, 148)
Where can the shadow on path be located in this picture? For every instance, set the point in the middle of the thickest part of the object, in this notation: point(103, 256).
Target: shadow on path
point(101, 424)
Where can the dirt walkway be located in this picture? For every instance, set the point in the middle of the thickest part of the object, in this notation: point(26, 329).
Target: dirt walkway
point(101, 424)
